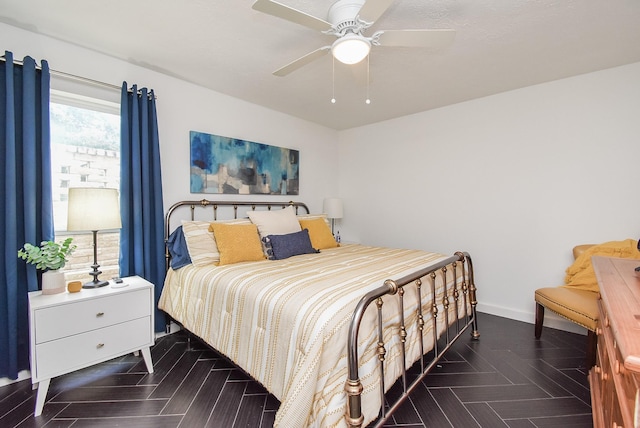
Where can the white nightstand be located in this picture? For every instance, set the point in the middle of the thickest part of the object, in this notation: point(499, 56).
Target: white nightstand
point(71, 331)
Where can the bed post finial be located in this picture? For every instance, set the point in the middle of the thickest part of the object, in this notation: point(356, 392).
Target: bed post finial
point(392, 285)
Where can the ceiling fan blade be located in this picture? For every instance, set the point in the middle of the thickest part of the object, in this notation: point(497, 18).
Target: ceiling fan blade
point(302, 61)
point(290, 14)
point(416, 38)
point(373, 9)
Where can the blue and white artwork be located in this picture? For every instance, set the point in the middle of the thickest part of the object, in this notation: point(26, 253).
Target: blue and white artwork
point(232, 166)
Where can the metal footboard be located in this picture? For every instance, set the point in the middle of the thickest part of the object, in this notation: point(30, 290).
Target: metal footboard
point(461, 292)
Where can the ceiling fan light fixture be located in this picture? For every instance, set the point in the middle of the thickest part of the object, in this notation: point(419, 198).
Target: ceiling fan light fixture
point(351, 48)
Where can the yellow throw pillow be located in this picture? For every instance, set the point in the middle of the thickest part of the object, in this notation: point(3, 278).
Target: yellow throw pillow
point(301, 217)
point(320, 234)
point(237, 242)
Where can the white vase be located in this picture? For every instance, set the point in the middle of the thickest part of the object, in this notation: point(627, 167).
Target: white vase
point(53, 282)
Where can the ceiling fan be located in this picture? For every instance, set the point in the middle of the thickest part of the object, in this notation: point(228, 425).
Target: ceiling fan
point(347, 20)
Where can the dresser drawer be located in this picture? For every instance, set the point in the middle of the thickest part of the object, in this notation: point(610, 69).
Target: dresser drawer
point(75, 352)
point(64, 320)
point(627, 386)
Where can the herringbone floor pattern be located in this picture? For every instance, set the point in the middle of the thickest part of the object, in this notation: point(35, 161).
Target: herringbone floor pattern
point(506, 379)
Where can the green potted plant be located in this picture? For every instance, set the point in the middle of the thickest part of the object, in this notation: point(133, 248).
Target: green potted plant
point(49, 257)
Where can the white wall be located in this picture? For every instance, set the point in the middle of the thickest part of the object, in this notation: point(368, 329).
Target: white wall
point(516, 179)
point(183, 107)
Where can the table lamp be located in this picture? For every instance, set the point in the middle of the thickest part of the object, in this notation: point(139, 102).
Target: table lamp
point(93, 209)
point(332, 207)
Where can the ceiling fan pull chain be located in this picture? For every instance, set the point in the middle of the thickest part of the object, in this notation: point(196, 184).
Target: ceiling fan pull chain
point(368, 100)
point(333, 81)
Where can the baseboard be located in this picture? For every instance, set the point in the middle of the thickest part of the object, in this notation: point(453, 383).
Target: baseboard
point(24, 374)
point(551, 320)
point(173, 327)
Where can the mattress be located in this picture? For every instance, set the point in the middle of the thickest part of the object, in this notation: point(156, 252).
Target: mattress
point(285, 322)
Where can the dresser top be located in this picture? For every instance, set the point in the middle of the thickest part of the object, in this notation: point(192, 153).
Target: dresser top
point(133, 283)
point(620, 291)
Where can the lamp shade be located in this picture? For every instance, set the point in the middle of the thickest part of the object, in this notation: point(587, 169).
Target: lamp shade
point(351, 48)
point(92, 208)
point(332, 207)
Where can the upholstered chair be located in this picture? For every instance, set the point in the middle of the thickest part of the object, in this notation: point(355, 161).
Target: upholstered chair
point(576, 305)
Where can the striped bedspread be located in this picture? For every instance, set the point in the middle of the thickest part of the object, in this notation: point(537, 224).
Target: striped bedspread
point(285, 322)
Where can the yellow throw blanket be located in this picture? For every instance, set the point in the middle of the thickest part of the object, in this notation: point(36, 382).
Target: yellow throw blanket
point(581, 274)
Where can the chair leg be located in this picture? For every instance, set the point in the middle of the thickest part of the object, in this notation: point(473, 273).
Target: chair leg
point(592, 342)
point(539, 319)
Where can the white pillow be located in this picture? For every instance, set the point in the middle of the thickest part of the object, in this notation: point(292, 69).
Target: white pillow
point(277, 222)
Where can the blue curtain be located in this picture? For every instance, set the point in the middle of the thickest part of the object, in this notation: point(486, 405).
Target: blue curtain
point(142, 233)
point(26, 207)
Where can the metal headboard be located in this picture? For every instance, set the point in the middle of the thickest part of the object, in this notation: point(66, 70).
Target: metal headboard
point(214, 205)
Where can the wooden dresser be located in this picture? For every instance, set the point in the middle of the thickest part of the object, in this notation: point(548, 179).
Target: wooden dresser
point(615, 379)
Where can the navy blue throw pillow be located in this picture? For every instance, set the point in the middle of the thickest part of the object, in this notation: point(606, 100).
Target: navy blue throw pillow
point(178, 250)
point(292, 244)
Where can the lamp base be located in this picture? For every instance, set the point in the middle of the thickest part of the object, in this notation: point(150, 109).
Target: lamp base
point(95, 284)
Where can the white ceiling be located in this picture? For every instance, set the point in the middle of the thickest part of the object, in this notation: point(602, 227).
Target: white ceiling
point(227, 46)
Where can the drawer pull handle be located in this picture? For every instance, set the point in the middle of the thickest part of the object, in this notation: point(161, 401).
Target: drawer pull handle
point(99, 314)
point(100, 345)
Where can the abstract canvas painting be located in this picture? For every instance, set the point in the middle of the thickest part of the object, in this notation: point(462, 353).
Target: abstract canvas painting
point(232, 166)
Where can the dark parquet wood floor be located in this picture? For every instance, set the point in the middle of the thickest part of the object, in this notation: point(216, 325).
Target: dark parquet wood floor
point(506, 379)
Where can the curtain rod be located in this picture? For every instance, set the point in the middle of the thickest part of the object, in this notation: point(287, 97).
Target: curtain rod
point(75, 77)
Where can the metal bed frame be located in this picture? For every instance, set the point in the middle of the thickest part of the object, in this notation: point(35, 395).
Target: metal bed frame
point(458, 269)
point(463, 288)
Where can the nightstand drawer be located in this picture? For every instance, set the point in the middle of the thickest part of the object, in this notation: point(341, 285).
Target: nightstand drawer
point(64, 320)
point(74, 352)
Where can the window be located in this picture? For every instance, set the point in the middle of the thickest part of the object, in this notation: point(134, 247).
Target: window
point(85, 143)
